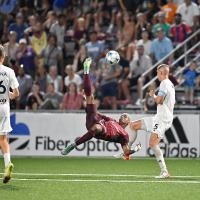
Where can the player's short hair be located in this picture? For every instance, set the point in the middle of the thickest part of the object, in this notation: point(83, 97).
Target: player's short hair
point(2, 52)
point(165, 68)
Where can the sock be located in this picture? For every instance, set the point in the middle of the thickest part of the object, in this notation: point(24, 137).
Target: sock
point(84, 138)
point(159, 157)
point(87, 85)
point(6, 158)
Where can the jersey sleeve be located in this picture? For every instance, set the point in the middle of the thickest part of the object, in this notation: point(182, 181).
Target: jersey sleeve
point(162, 90)
point(13, 80)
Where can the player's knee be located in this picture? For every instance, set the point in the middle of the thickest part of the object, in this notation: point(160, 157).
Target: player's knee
point(152, 143)
point(97, 128)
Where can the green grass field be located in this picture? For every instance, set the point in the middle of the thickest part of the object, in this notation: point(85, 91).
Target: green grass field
point(100, 179)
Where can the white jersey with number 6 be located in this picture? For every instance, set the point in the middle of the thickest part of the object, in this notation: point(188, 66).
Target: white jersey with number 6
point(7, 80)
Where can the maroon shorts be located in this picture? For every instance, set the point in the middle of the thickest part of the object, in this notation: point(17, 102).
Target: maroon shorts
point(91, 115)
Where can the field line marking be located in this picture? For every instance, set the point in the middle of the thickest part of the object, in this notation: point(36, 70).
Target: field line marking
point(110, 181)
point(97, 175)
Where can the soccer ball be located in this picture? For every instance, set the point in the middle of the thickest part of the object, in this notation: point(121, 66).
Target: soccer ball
point(112, 57)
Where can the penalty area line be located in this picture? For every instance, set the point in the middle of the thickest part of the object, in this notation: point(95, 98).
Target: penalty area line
point(109, 181)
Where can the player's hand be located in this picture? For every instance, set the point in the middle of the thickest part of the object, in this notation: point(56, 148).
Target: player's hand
point(11, 95)
point(151, 93)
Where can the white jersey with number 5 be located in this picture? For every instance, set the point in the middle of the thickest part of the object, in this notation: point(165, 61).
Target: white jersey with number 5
point(7, 80)
point(165, 110)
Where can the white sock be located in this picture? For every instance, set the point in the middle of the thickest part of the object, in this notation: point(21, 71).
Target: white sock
point(159, 157)
point(6, 158)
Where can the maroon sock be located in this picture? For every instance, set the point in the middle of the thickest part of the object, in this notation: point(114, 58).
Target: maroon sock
point(87, 85)
point(85, 138)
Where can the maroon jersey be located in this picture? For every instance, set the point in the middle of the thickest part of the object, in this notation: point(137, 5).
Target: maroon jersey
point(112, 131)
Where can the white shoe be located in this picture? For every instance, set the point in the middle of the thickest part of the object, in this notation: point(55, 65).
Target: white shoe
point(119, 155)
point(138, 147)
point(164, 174)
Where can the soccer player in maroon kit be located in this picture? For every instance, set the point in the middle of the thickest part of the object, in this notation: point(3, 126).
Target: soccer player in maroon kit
point(100, 126)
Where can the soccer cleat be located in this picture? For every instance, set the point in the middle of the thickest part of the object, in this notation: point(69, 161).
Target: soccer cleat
point(68, 149)
point(119, 155)
point(86, 65)
point(164, 174)
point(138, 147)
point(126, 157)
point(8, 172)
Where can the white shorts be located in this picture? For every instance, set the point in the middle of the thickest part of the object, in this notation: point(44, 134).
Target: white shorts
point(154, 125)
point(5, 127)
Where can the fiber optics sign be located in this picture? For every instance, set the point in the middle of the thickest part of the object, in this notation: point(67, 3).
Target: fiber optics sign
point(46, 134)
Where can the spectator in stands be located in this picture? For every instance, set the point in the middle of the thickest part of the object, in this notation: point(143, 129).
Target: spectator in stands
point(80, 29)
point(58, 29)
point(80, 57)
point(72, 77)
point(161, 47)
point(141, 25)
point(52, 54)
point(11, 46)
point(25, 85)
point(129, 5)
point(190, 13)
point(32, 22)
point(145, 41)
point(72, 99)
point(190, 76)
point(149, 102)
point(124, 73)
point(161, 24)
point(55, 78)
point(137, 67)
point(25, 56)
point(38, 39)
point(170, 10)
point(71, 47)
point(94, 47)
point(52, 99)
point(109, 83)
point(51, 19)
point(19, 26)
point(126, 30)
point(180, 30)
point(41, 77)
point(35, 98)
point(152, 7)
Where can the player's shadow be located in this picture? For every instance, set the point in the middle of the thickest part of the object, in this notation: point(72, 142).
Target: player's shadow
point(10, 188)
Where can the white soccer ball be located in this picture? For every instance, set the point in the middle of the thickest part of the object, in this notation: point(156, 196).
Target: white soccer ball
point(112, 57)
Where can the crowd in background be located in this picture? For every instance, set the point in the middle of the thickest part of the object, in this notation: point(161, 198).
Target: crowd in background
point(47, 41)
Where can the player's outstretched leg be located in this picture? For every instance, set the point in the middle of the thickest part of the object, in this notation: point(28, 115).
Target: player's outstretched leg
point(81, 140)
point(8, 172)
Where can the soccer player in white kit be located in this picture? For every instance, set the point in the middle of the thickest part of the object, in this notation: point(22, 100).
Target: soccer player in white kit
point(158, 124)
point(7, 80)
